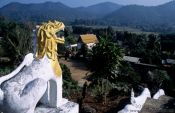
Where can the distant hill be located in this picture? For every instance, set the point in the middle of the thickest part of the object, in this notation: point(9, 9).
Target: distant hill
point(40, 12)
point(134, 15)
point(50, 10)
point(101, 9)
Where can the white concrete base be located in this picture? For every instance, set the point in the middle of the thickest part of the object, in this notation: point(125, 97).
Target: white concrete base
point(69, 107)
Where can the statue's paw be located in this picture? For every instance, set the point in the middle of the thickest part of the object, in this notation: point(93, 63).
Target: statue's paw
point(28, 59)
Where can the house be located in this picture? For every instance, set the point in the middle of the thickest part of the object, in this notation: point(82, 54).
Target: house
point(168, 61)
point(72, 47)
point(89, 39)
point(131, 59)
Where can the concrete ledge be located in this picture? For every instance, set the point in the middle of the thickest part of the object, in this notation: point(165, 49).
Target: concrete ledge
point(69, 107)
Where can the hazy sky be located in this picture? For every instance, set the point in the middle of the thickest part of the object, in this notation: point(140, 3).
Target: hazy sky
point(76, 3)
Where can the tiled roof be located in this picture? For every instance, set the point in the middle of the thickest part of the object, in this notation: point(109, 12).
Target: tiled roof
point(89, 38)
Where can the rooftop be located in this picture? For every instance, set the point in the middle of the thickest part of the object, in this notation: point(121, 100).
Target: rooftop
point(89, 38)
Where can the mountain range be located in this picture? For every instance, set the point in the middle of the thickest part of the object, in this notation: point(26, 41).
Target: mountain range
point(141, 15)
point(108, 13)
point(50, 10)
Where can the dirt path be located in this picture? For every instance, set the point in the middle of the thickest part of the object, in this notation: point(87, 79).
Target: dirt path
point(78, 69)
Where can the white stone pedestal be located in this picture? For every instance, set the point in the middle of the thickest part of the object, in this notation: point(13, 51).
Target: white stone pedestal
point(69, 107)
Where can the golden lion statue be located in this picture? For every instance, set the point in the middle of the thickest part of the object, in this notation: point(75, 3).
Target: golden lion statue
point(47, 43)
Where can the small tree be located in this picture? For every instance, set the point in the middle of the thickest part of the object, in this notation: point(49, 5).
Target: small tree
point(69, 85)
point(106, 56)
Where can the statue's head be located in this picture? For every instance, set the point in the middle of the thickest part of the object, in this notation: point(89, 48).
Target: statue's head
point(47, 38)
point(54, 27)
point(51, 28)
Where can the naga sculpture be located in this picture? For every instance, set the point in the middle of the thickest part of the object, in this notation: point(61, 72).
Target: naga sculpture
point(38, 78)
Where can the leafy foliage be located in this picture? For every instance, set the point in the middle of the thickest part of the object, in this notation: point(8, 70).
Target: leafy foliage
point(153, 49)
point(4, 70)
point(69, 85)
point(157, 78)
point(127, 74)
point(106, 56)
point(147, 47)
point(16, 41)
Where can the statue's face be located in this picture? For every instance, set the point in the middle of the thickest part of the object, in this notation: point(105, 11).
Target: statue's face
point(53, 28)
point(59, 27)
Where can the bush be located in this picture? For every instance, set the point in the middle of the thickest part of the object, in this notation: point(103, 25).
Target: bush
point(4, 70)
point(157, 80)
point(69, 85)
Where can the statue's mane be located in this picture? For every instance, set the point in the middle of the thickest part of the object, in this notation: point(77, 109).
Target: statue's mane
point(47, 43)
point(46, 36)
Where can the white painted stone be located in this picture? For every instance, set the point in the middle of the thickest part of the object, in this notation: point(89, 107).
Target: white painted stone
point(140, 100)
point(69, 107)
point(28, 59)
point(32, 81)
point(136, 102)
point(53, 94)
point(159, 94)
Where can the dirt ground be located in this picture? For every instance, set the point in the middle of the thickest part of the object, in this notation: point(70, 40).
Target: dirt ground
point(78, 69)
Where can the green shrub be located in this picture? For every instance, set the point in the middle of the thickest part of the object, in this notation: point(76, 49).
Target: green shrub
point(69, 85)
point(157, 78)
point(4, 70)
